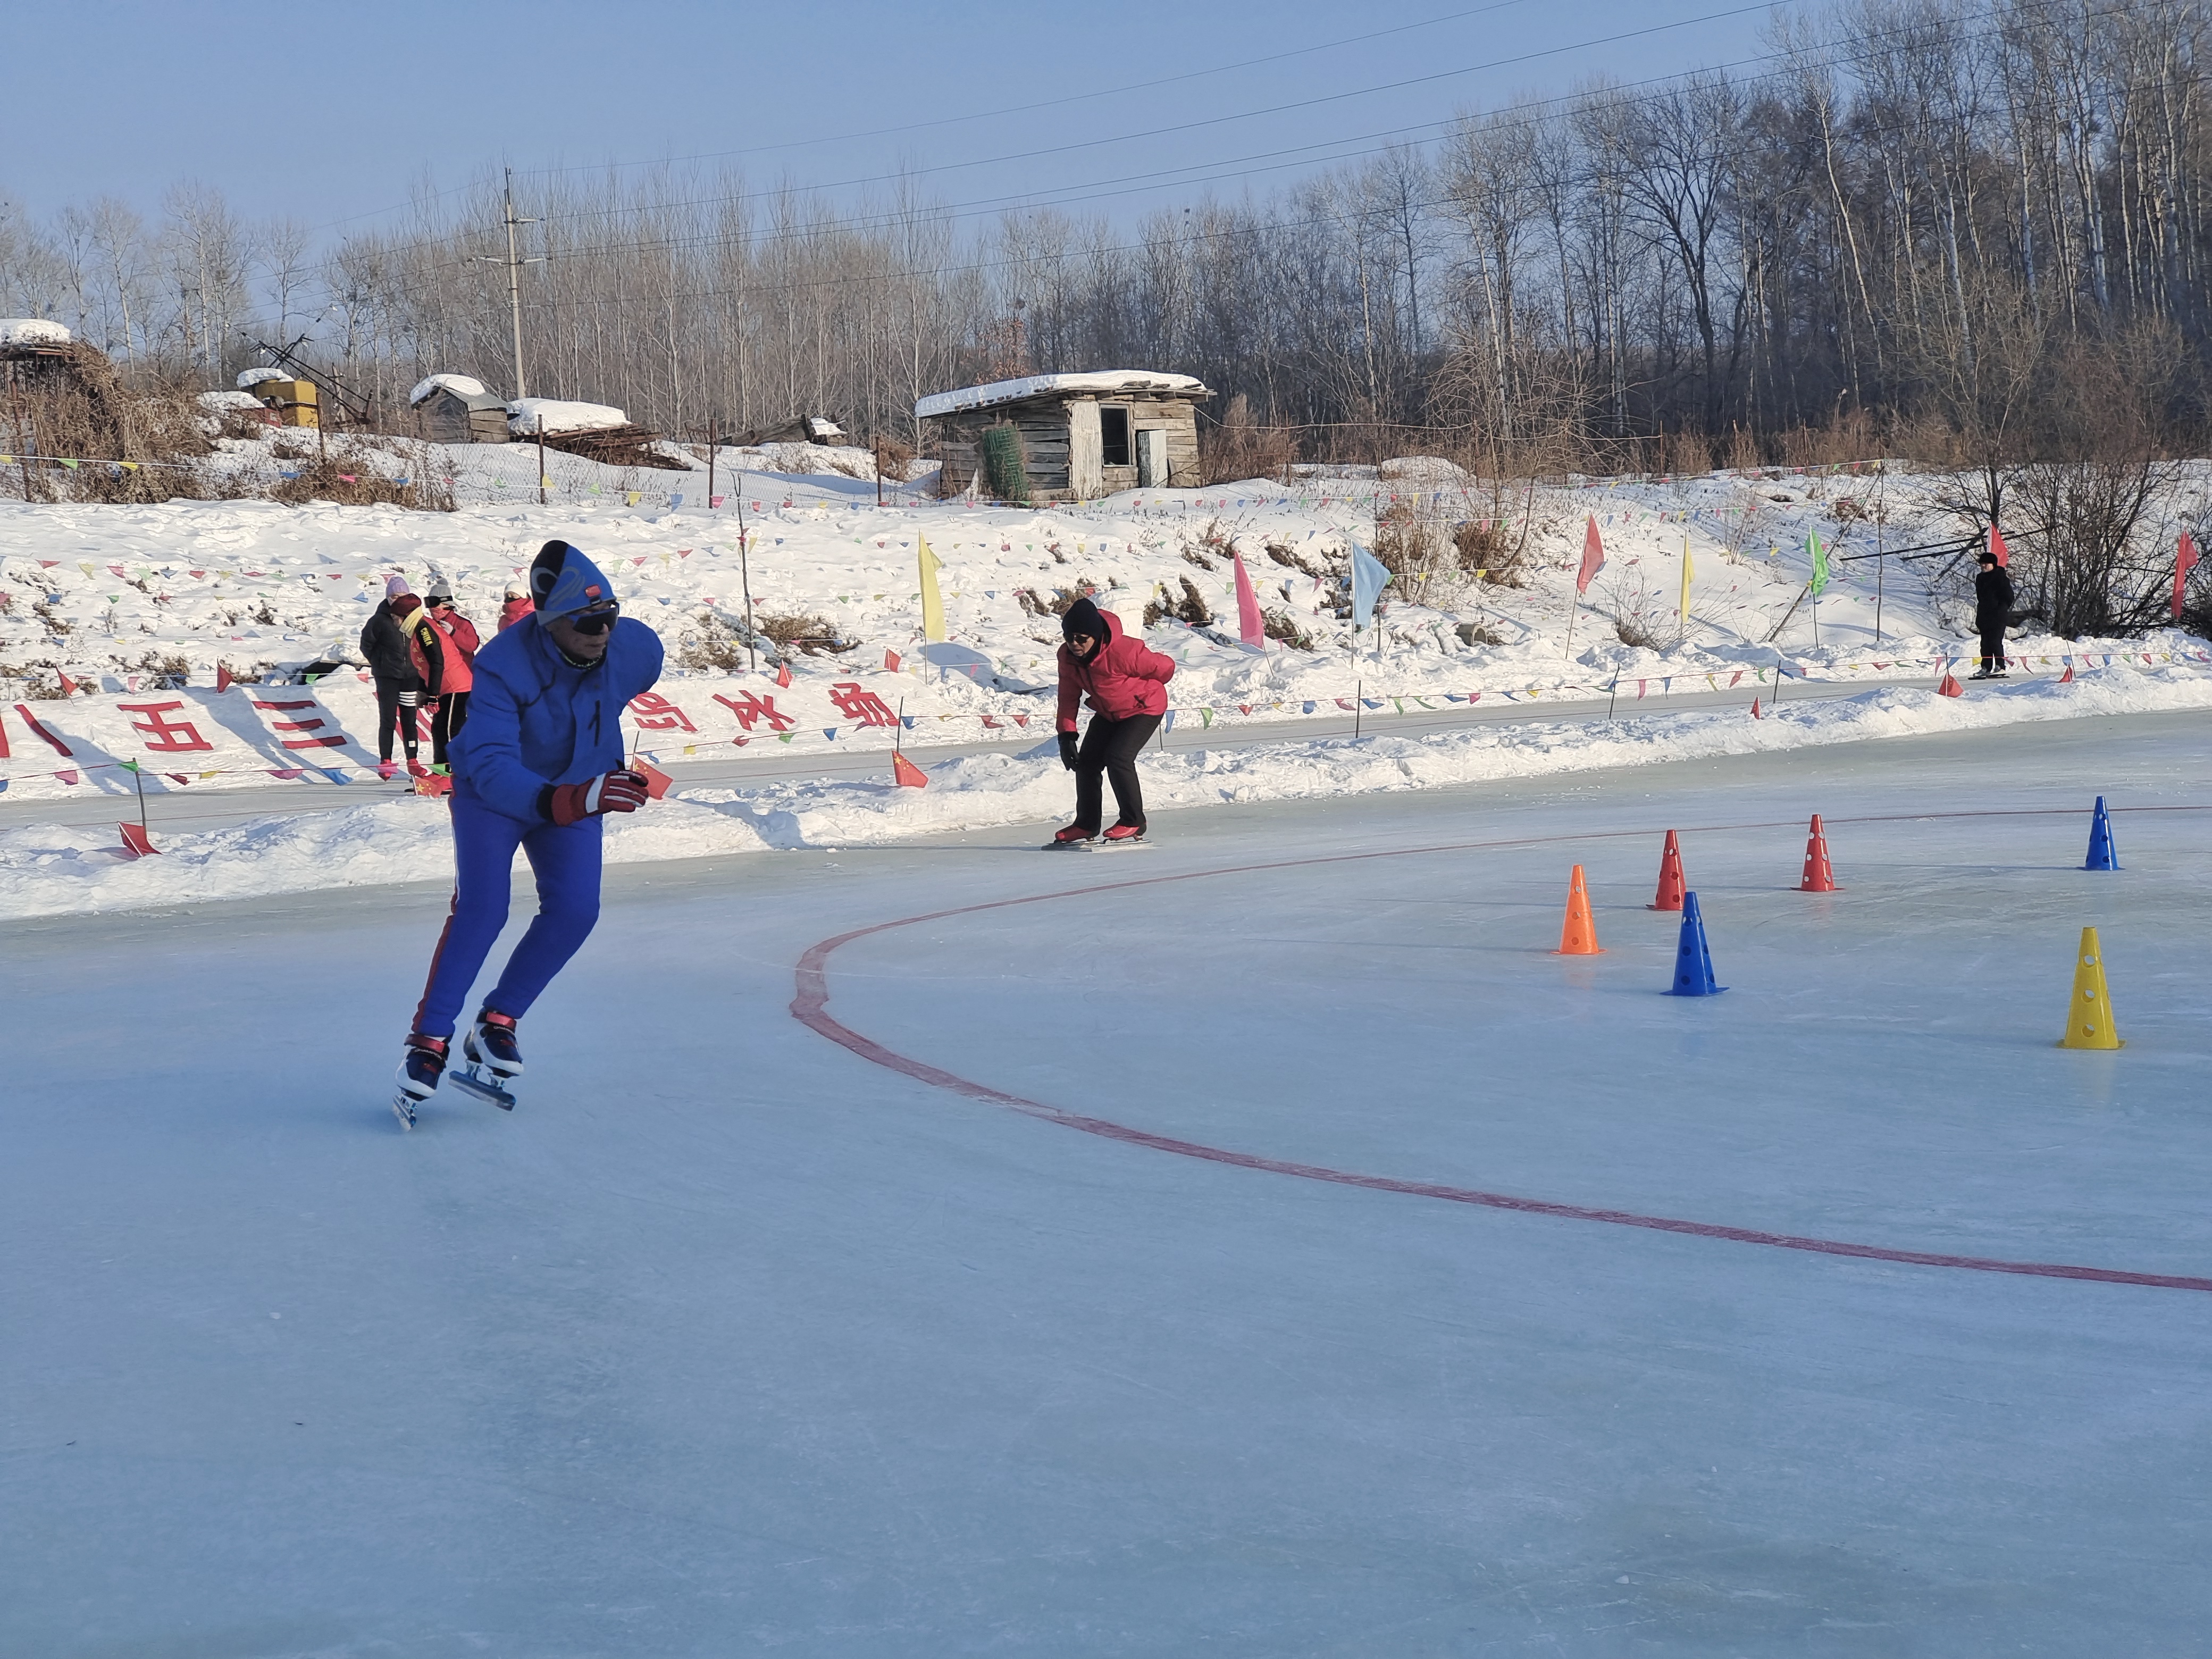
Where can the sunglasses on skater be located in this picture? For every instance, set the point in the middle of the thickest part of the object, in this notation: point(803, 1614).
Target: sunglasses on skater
point(597, 620)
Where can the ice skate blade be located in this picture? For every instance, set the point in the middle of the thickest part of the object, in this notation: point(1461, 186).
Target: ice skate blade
point(483, 1088)
point(402, 1108)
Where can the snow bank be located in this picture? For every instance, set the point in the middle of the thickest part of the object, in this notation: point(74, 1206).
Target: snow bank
point(31, 330)
point(250, 378)
point(464, 385)
point(524, 414)
point(47, 871)
point(1030, 386)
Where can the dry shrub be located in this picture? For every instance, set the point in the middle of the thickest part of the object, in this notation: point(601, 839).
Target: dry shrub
point(1242, 447)
point(1278, 625)
point(1407, 542)
point(1483, 545)
point(1192, 608)
point(892, 459)
point(347, 481)
point(1633, 629)
point(714, 644)
point(75, 405)
point(815, 636)
point(1285, 554)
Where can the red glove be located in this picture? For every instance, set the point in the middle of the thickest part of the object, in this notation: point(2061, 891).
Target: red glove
point(611, 792)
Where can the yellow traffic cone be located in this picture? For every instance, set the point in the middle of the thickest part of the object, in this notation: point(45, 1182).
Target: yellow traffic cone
point(2089, 1015)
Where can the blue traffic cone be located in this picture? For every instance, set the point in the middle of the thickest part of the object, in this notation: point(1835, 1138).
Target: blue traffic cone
point(1693, 962)
point(2101, 855)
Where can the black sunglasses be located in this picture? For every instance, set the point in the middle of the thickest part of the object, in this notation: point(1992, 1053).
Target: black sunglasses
point(597, 620)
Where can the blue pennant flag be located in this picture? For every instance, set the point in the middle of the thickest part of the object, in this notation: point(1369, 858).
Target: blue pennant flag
point(1368, 579)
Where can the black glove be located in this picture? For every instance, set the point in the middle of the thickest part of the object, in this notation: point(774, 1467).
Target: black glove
point(1067, 749)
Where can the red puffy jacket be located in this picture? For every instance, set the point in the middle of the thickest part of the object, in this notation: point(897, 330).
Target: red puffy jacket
point(444, 647)
point(513, 611)
point(1124, 676)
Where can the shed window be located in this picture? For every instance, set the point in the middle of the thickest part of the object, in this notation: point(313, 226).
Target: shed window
point(1113, 436)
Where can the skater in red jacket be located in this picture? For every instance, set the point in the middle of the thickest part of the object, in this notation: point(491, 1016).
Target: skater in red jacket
point(1125, 686)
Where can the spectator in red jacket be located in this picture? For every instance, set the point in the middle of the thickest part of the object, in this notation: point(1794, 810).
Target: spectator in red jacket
point(1125, 686)
point(516, 607)
point(444, 645)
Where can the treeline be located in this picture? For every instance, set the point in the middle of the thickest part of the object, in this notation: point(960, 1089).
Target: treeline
point(1978, 233)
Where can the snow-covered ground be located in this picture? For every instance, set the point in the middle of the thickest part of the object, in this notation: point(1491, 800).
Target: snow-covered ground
point(734, 1339)
point(49, 867)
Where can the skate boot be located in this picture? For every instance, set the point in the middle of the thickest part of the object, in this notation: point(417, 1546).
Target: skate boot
point(1074, 835)
point(1125, 835)
point(419, 1071)
point(493, 1057)
point(387, 770)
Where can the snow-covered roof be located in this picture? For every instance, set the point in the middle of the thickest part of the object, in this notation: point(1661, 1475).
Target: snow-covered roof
point(461, 386)
point(524, 414)
point(1106, 381)
point(823, 430)
point(250, 378)
point(31, 330)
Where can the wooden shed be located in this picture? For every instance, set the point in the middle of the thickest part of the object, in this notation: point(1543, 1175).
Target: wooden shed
point(1079, 435)
point(455, 409)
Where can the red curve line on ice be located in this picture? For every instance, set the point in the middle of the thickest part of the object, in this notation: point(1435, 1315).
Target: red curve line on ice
point(809, 1006)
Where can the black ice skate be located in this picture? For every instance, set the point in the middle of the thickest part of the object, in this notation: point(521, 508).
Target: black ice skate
point(493, 1057)
point(419, 1071)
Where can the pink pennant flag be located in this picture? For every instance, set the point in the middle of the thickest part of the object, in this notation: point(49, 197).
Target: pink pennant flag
point(2184, 561)
point(1593, 556)
point(1249, 627)
point(1998, 546)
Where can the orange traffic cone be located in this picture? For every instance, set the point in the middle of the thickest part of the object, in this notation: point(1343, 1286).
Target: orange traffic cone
point(1578, 937)
point(1950, 686)
point(1818, 878)
point(1670, 876)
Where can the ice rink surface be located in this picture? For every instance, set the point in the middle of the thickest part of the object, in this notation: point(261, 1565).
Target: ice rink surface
point(732, 1340)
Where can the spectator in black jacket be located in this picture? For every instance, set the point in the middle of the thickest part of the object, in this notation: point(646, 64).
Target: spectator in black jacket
point(398, 687)
point(1992, 610)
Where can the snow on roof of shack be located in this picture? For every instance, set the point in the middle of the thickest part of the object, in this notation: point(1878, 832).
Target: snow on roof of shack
point(250, 378)
point(461, 386)
point(1108, 380)
point(524, 414)
point(31, 330)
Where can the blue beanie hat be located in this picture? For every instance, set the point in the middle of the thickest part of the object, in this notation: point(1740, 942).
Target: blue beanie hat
point(563, 582)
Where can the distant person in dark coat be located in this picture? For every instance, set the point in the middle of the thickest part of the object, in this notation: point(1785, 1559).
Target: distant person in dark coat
point(1992, 610)
point(398, 687)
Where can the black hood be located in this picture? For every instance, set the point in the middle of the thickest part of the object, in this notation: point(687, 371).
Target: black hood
point(1083, 617)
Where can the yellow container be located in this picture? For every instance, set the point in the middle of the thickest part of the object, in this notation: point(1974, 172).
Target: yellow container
point(297, 403)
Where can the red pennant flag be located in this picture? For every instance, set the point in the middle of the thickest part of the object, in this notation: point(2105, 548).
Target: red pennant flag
point(1593, 556)
point(1251, 627)
point(223, 676)
point(1755, 714)
point(909, 775)
point(890, 662)
point(783, 673)
point(135, 842)
point(2184, 561)
point(69, 686)
point(1998, 546)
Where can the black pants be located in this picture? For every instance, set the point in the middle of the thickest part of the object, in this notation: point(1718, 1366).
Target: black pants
point(395, 711)
point(1993, 656)
point(1111, 747)
point(446, 724)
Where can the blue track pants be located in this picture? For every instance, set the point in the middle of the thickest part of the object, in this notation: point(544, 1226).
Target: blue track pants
point(566, 861)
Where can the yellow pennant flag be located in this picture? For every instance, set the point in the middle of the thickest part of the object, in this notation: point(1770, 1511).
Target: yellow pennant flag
point(933, 603)
point(1686, 581)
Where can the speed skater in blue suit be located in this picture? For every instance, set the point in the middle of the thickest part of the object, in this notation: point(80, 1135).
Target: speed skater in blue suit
point(538, 767)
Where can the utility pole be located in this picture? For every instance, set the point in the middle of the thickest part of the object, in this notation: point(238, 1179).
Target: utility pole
point(514, 263)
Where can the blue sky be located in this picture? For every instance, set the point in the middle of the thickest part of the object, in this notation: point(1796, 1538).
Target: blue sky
point(334, 113)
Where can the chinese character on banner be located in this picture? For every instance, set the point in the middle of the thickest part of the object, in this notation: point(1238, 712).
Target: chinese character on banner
point(334, 741)
point(749, 706)
point(164, 736)
point(866, 706)
point(656, 713)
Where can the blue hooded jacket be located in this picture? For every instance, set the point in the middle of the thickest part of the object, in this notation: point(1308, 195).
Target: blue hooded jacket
point(535, 720)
